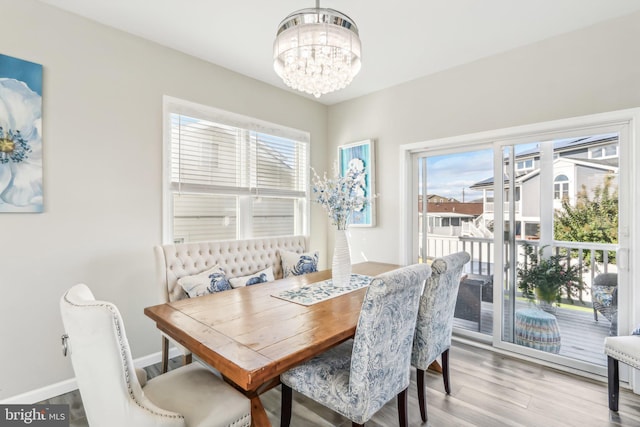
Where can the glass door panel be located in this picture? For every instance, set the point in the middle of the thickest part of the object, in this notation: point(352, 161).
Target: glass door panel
point(560, 237)
point(455, 213)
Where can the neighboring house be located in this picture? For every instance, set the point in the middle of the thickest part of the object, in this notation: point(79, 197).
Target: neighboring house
point(578, 162)
point(450, 217)
point(435, 198)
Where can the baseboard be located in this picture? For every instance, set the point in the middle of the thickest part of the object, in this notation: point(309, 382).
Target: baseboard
point(52, 390)
point(43, 393)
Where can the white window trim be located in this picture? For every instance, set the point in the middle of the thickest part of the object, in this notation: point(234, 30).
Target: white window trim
point(604, 155)
point(525, 167)
point(176, 105)
point(561, 186)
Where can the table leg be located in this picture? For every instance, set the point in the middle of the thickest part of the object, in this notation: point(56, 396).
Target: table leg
point(259, 416)
point(435, 367)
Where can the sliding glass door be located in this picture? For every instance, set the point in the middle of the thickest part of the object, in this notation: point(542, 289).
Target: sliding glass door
point(541, 218)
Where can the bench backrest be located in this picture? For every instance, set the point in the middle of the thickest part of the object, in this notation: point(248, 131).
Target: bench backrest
point(236, 257)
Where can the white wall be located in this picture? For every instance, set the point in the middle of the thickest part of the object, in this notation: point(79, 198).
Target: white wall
point(588, 71)
point(102, 139)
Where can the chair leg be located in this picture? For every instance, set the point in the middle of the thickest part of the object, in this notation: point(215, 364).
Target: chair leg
point(595, 315)
point(445, 370)
point(613, 377)
point(356, 424)
point(285, 406)
point(422, 399)
point(403, 411)
point(165, 354)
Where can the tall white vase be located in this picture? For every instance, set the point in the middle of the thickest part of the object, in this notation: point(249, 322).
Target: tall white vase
point(341, 266)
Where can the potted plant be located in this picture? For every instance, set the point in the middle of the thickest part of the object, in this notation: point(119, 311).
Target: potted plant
point(548, 279)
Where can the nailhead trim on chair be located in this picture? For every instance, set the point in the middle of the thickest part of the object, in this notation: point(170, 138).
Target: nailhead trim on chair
point(245, 420)
point(122, 343)
point(625, 358)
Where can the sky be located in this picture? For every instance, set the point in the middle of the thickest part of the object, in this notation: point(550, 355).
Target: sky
point(450, 174)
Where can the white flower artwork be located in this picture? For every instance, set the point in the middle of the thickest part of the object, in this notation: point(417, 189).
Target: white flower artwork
point(358, 161)
point(20, 135)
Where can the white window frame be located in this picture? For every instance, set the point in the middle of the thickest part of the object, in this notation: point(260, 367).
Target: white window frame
point(561, 188)
point(173, 105)
point(603, 151)
point(524, 166)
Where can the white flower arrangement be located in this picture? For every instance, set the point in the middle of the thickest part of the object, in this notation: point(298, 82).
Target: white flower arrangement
point(341, 195)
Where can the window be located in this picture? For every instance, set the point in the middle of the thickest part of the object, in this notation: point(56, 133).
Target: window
point(561, 187)
point(604, 152)
point(524, 165)
point(232, 177)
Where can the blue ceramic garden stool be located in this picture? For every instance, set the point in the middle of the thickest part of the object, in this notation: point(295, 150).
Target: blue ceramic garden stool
point(537, 329)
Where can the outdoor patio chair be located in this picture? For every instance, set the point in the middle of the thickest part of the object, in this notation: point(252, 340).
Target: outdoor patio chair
point(604, 293)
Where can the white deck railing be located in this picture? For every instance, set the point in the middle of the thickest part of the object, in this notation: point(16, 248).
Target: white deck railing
point(483, 254)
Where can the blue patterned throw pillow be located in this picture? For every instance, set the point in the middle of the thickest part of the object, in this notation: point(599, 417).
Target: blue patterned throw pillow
point(219, 283)
point(294, 264)
point(198, 284)
point(636, 331)
point(261, 276)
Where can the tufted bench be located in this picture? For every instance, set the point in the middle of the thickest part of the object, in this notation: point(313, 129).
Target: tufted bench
point(236, 257)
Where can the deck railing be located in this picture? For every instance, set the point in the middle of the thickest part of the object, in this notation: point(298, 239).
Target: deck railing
point(591, 258)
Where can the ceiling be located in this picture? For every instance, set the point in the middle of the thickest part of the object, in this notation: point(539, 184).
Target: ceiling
point(401, 40)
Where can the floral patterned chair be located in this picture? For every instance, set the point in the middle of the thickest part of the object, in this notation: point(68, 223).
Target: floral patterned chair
point(604, 292)
point(435, 320)
point(358, 377)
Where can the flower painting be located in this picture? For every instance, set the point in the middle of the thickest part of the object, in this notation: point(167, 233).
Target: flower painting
point(20, 135)
point(360, 156)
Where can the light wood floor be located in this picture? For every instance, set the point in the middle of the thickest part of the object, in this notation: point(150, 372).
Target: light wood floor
point(488, 390)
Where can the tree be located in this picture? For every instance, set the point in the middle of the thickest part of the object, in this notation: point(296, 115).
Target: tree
point(590, 220)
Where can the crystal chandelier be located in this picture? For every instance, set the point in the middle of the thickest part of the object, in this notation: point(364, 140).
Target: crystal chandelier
point(316, 50)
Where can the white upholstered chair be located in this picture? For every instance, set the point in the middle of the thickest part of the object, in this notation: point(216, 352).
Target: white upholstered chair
point(435, 320)
point(116, 394)
point(625, 349)
point(358, 377)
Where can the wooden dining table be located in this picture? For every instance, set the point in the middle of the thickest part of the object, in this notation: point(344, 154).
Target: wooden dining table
point(251, 337)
